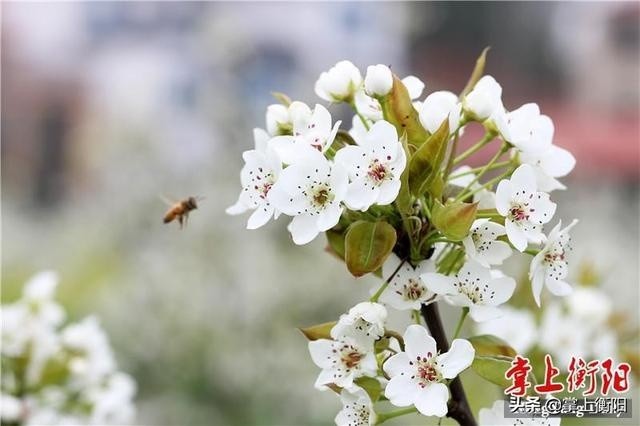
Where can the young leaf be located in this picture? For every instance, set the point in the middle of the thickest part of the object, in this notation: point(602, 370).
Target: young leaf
point(336, 243)
point(319, 331)
point(403, 201)
point(367, 246)
point(282, 98)
point(478, 70)
point(426, 161)
point(397, 109)
point(492, 368)
point(488, 345)
point(371, 386)
point(454, 219)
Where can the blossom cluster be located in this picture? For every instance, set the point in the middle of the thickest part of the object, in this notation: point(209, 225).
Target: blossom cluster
point(394, 197)
point(58, 374)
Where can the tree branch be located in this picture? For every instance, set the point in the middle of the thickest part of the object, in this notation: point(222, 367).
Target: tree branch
point(459, 409)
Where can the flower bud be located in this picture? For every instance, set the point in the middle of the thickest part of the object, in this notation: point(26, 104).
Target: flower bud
point(378, 81)
point(339, 83)
point(484, 99)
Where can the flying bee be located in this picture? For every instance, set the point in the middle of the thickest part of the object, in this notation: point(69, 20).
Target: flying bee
point(181, 210)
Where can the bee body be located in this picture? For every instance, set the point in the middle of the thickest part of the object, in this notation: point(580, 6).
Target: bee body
point(180, 211)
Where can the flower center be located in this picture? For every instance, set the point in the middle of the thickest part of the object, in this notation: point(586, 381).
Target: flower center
point(426, 370)
point(321, 196)
point(266, 187)
point(413, 290)
point(351, 359)
point(518, 213)
point(377, 171)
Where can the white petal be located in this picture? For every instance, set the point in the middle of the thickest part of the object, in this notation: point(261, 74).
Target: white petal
point(559, 287)
point(536, 285)
point(418, 342)
point(398, 364)
point(389, 191)
point(432, 400)
point(238, 208)
point(260, 216)
point(354, 159)
point(414, 86)
point(483, 312)
point(516, 235)
point(378, 80)
point(303, 229)
point(321, 351)
point(382, 137)
point(438, 283)
point(504, 194)
point(459, 357)
point(497, 252)
point(361, 194)
point(401, 391)
point(557, 162)
point(503, 288)
point(523, 178)
point(329, 217)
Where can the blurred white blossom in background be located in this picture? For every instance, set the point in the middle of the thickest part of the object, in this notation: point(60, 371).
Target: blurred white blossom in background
point(55, 374)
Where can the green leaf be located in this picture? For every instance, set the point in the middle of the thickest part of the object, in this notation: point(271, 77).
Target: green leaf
point(492, 368)
point(397, 109)
point(403, 200)
point(336, 243)
point(282, 98)
point(319, 331)
point(476, 74)
point(371, 386)
point(426, 161)
point(454, 219)
point(367, 246)
point(488, 345)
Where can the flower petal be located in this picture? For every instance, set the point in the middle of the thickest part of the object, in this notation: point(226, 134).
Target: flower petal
point(516, 235)
point(401, 391)
point(438, 283)
point(398, 365)
point(432, 400)
point(459, 357)
point(260, 216)
point(303, 229)
point(418, 342)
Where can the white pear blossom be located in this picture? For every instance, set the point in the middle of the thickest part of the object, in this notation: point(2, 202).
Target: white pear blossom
point(374, 166)
point(473, 287)
point(591, 305)
point(552, 163)
point(485, 198)
point(261, 170)
point(342, 361)
point(280, 118)
point(308, 131)
point(484, 100)
point(340, 83)
point(417, 375)
point(517, 327)
point(525, 208)
point(12, 408)
point(92, 356)
point(563, 336)
point(482, 244)
point(439, 106)
point(312, 192)
point(406, 290)
point(549, 267)
point(357, 409)
point(527, 129)
point(378, 81)
point(494, 416)
point(365, 322)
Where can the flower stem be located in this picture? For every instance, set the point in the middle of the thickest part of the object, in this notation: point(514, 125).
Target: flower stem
point(463, 315)
point(458, 406)
point(484, 169)
point(383, 417)
point(360, 116)
point(384, 285)
point(477, 169)
point(488, 184)
point(488, 137)
point(532, 252)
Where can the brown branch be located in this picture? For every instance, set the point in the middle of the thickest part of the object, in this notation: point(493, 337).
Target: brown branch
point(459, 409)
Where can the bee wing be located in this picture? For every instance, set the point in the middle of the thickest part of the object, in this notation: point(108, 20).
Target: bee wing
point(166, 200)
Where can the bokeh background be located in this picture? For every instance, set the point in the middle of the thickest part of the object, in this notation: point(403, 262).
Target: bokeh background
point(108, 106)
